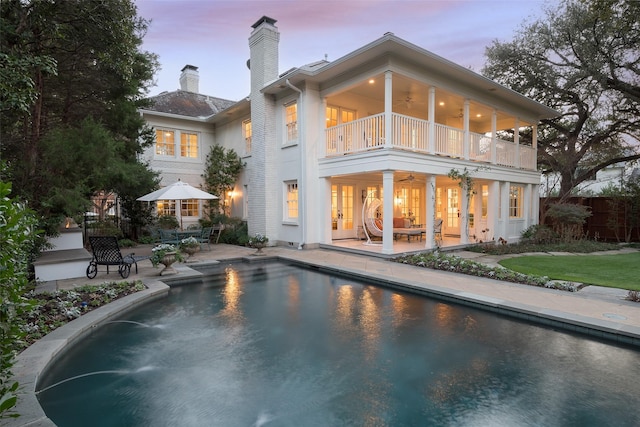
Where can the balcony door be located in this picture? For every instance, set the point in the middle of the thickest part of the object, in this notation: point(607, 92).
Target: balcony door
point(342, 211)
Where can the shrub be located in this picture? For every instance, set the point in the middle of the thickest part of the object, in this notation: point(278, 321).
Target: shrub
point(633, 296)
point(126, 243)
point(568, 219)
point(104, 228)
point(168, 222)
point(235, 232)
point(17, 240)
point(539, 233)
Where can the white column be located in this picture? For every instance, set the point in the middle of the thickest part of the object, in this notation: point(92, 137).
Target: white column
point(388, 108)
point(494, 135)
point(431, 143)
point(504, 210)
point(534, 144)
point(493, 211)
point(387, 220)
point(535, 204)
point(430, 211)
point(465, 122)
point(464, 217)
point(324, 187)
point(516, 140)
point(528, 206)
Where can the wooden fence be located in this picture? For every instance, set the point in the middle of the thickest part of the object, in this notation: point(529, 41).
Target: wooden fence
point(600, 222)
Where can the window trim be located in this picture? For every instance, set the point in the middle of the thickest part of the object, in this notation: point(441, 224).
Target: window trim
point(247, 139)
point(288, 139)
point(516, 194)
point(164, 131)
point(288, 186)
point(197, 144)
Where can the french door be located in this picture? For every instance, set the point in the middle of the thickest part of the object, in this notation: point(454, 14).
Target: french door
point(342, 211)
point(451, 223)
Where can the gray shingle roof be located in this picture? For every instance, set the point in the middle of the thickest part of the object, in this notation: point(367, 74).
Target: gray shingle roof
point(188, 104)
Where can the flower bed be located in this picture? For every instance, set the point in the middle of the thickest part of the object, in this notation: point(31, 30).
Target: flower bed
point(440, 261)
point(50, 310)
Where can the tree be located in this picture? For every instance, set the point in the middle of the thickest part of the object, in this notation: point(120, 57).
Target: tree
point(73, 131)
point(582, 60)
point(221, 172)
point(17, 238)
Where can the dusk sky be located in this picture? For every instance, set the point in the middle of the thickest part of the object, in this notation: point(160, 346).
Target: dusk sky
point(213, 34)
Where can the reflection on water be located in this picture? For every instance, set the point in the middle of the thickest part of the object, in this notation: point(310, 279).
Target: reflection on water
point(282, 346)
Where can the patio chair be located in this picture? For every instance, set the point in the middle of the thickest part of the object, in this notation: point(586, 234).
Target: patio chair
point(169, 237)
point(107, 252)
point(205, 237)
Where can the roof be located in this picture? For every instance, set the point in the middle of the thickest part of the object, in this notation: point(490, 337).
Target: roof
point(190, 104)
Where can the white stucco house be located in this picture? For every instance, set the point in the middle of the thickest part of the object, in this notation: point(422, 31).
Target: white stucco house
point(388, 121)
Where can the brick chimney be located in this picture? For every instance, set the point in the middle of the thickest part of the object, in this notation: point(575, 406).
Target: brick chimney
point(190, 79)
point(263, 63)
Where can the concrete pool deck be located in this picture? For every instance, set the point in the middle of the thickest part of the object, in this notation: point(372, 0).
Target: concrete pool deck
point(598, 311)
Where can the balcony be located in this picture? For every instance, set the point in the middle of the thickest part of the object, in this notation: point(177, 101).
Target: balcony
point(410, 133)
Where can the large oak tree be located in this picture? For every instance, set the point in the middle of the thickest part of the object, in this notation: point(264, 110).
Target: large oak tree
point(581, 58)
point(70, 125)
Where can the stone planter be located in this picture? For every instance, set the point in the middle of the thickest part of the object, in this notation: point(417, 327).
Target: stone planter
point(190, 250)
point(259, 247)
point(168, 259)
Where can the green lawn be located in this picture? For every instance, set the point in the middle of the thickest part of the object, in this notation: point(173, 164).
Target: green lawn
point(615, 271)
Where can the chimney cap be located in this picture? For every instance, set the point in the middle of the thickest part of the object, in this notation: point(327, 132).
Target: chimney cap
point(264, 19)
point(189, 67)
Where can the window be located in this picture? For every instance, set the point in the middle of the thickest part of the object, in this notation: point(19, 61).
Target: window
point(515, 201)
point(291, 122)
point(165, 142)
point(189, 145)
point(247, 133)
point(166, 207)
point(189, 207)
point(338, 115)
point(291, 209)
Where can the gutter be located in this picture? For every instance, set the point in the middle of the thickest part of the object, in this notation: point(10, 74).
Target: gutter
point(303, 167)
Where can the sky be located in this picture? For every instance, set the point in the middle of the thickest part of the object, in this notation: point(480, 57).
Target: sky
point(213, 34)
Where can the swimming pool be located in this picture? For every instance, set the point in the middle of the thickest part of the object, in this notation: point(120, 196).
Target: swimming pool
point(277, 345)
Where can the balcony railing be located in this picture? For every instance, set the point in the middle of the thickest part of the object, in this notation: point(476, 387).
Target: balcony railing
point(412, 134)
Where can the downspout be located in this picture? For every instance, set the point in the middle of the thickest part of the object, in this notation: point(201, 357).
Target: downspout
point(303, 167)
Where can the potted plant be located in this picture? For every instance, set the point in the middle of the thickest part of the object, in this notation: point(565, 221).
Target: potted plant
point(190, 245)
point(166, 255)
point(258, 241)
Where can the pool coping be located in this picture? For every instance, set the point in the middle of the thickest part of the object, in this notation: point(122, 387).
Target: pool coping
point(33, 361)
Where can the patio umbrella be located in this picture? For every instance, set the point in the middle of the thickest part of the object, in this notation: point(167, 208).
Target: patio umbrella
point(177, 191)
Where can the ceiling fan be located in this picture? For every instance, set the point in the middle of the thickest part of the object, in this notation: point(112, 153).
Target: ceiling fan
point(408, 101)
point(459, 115)
point(410, 178)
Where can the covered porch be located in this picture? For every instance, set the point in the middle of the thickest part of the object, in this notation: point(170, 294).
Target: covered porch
point(492, 210)
point(392, 111)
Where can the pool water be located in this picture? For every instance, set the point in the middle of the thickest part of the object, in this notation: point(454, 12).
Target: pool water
point(278, 345)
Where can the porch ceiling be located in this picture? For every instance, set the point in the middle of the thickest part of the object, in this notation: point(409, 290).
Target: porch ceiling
point(390, 46)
